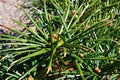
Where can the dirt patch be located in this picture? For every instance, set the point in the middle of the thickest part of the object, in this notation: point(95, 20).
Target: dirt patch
point(9, 9)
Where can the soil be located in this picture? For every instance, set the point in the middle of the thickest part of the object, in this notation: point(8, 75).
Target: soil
point(9, 9)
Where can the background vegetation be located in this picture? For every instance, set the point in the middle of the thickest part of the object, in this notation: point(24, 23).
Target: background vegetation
point(65, 39)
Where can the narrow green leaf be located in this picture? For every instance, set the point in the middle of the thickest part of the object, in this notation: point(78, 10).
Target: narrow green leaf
point(79, 69)
point(80, 15)
point(32, 31)
point(42, 51)
point(35, 26)
point(28, 72)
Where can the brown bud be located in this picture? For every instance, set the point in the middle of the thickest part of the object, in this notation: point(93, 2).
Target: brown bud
point(97, 70)
point(87, 26)
point(58, 3)
point(94, 6)
point(81, 55)
point(74, 11)
point(111, 62)
point(76, 16)
point(108, 77)
point(49, 18)
point(55, 36)
point(30, 78)
point(43, 0)
point(109, 24)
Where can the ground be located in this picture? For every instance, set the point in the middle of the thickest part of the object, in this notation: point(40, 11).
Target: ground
point(10, 9)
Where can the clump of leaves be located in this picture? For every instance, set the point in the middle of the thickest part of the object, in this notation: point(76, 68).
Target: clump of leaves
point(68, 39)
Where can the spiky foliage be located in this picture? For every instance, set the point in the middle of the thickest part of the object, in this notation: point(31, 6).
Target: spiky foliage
point(73, 39)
